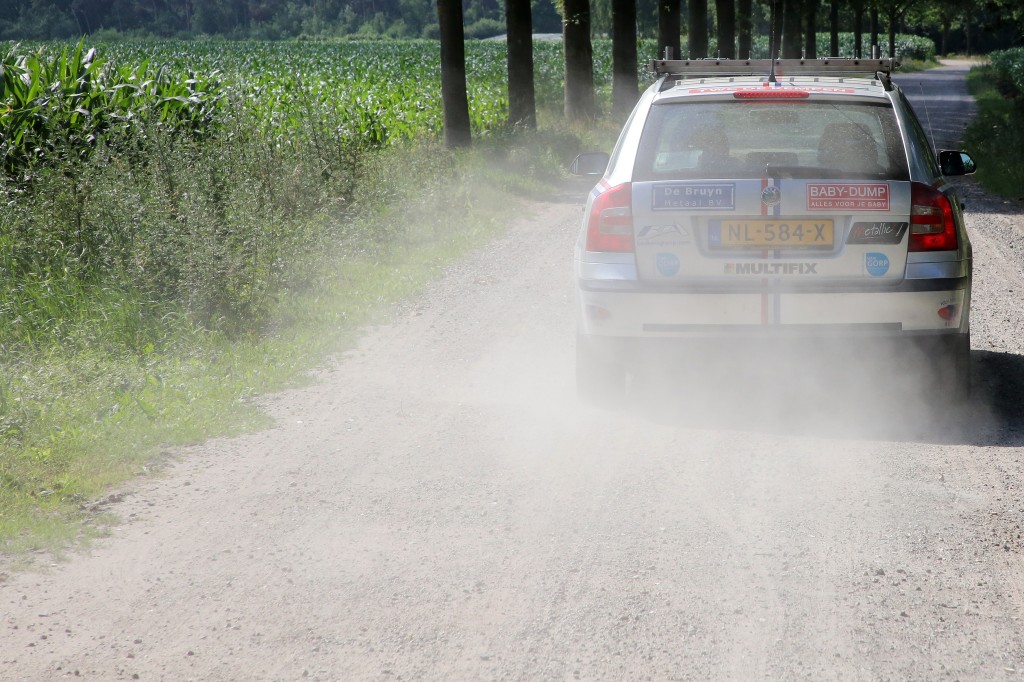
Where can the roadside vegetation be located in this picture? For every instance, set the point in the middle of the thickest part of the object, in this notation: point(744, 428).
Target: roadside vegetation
point(996, 137)
point(185, 226)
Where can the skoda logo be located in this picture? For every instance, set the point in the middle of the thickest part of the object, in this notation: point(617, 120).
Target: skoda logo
point(771, 196)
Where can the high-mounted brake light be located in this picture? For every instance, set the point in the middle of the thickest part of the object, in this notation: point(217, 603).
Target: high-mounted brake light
point(771, 93)
point(932, 227)
point(610, 225)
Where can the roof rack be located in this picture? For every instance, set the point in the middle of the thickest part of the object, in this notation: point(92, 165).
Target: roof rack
point(832, 66)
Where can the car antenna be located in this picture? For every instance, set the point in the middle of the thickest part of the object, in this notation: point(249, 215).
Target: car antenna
point(771, 46)
point(928, 117)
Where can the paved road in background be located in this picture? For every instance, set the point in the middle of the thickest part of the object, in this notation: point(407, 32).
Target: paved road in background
point(941, 101)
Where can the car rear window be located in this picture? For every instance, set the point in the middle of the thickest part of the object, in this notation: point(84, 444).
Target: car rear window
point(747, 139)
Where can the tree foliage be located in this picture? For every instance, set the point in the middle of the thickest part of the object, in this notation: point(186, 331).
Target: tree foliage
point(50, 19)
point(954, 25)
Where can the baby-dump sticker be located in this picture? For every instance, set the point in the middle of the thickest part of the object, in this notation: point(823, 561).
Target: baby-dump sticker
point(842, 196)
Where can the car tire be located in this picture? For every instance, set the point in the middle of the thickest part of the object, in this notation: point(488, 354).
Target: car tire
point(600, 378)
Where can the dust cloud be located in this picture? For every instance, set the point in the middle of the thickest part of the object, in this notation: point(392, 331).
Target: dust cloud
point(842, 389)
point(440, 505)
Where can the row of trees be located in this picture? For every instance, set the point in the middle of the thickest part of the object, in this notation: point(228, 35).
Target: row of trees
point(792, 25)
point(730, 25)
point(954, 24)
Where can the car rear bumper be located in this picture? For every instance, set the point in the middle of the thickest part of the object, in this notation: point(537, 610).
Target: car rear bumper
point(885, 358)
point(624, 309)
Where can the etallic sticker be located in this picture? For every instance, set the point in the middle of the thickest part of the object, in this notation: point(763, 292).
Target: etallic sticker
point(882, 232)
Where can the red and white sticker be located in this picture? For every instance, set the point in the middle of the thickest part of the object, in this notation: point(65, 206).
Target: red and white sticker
point(846, 196)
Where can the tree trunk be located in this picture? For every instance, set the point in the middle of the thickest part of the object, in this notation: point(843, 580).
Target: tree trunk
point(744, 22)
point(893, 20)
point(624, 74)
point(833, 29)
point(811, 40)
point(873, 14)
point(726, 11)
point(579, 61)
point(946, 26)
point(697, 28)
point(792, 17)
point(522, 106)
point(454, 99)
point(668, 28)
point(967, 34)
point(858, 28)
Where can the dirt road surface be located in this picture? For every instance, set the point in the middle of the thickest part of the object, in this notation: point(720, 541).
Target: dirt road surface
point(439, 506)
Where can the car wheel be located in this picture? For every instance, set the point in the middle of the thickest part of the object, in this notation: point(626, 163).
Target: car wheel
point(600, 379)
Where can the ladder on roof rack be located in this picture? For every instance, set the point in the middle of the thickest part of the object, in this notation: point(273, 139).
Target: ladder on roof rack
point(833, 66)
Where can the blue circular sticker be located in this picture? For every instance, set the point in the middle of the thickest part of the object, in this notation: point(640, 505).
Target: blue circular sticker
point(668, 264)
point(877, 264)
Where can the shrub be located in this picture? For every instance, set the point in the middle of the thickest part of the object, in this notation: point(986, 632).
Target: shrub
point(1008, 66)
point(485, 28)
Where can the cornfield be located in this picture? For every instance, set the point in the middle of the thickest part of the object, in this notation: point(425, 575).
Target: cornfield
point(58, 100)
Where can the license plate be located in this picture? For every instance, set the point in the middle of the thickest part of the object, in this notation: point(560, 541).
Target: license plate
point(771, 234)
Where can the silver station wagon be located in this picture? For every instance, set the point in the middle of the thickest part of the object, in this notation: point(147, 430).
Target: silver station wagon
point(772, 200)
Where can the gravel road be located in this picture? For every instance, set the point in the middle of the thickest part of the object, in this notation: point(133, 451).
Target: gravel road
point(440, 506)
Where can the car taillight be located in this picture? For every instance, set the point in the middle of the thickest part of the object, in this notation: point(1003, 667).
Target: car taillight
point(610, 226)
point(932, 227)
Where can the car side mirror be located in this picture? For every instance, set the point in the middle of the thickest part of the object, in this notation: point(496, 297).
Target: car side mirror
point(956, 163)
point(589, 163)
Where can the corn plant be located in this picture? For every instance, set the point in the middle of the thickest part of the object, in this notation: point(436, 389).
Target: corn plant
point(56, 107)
